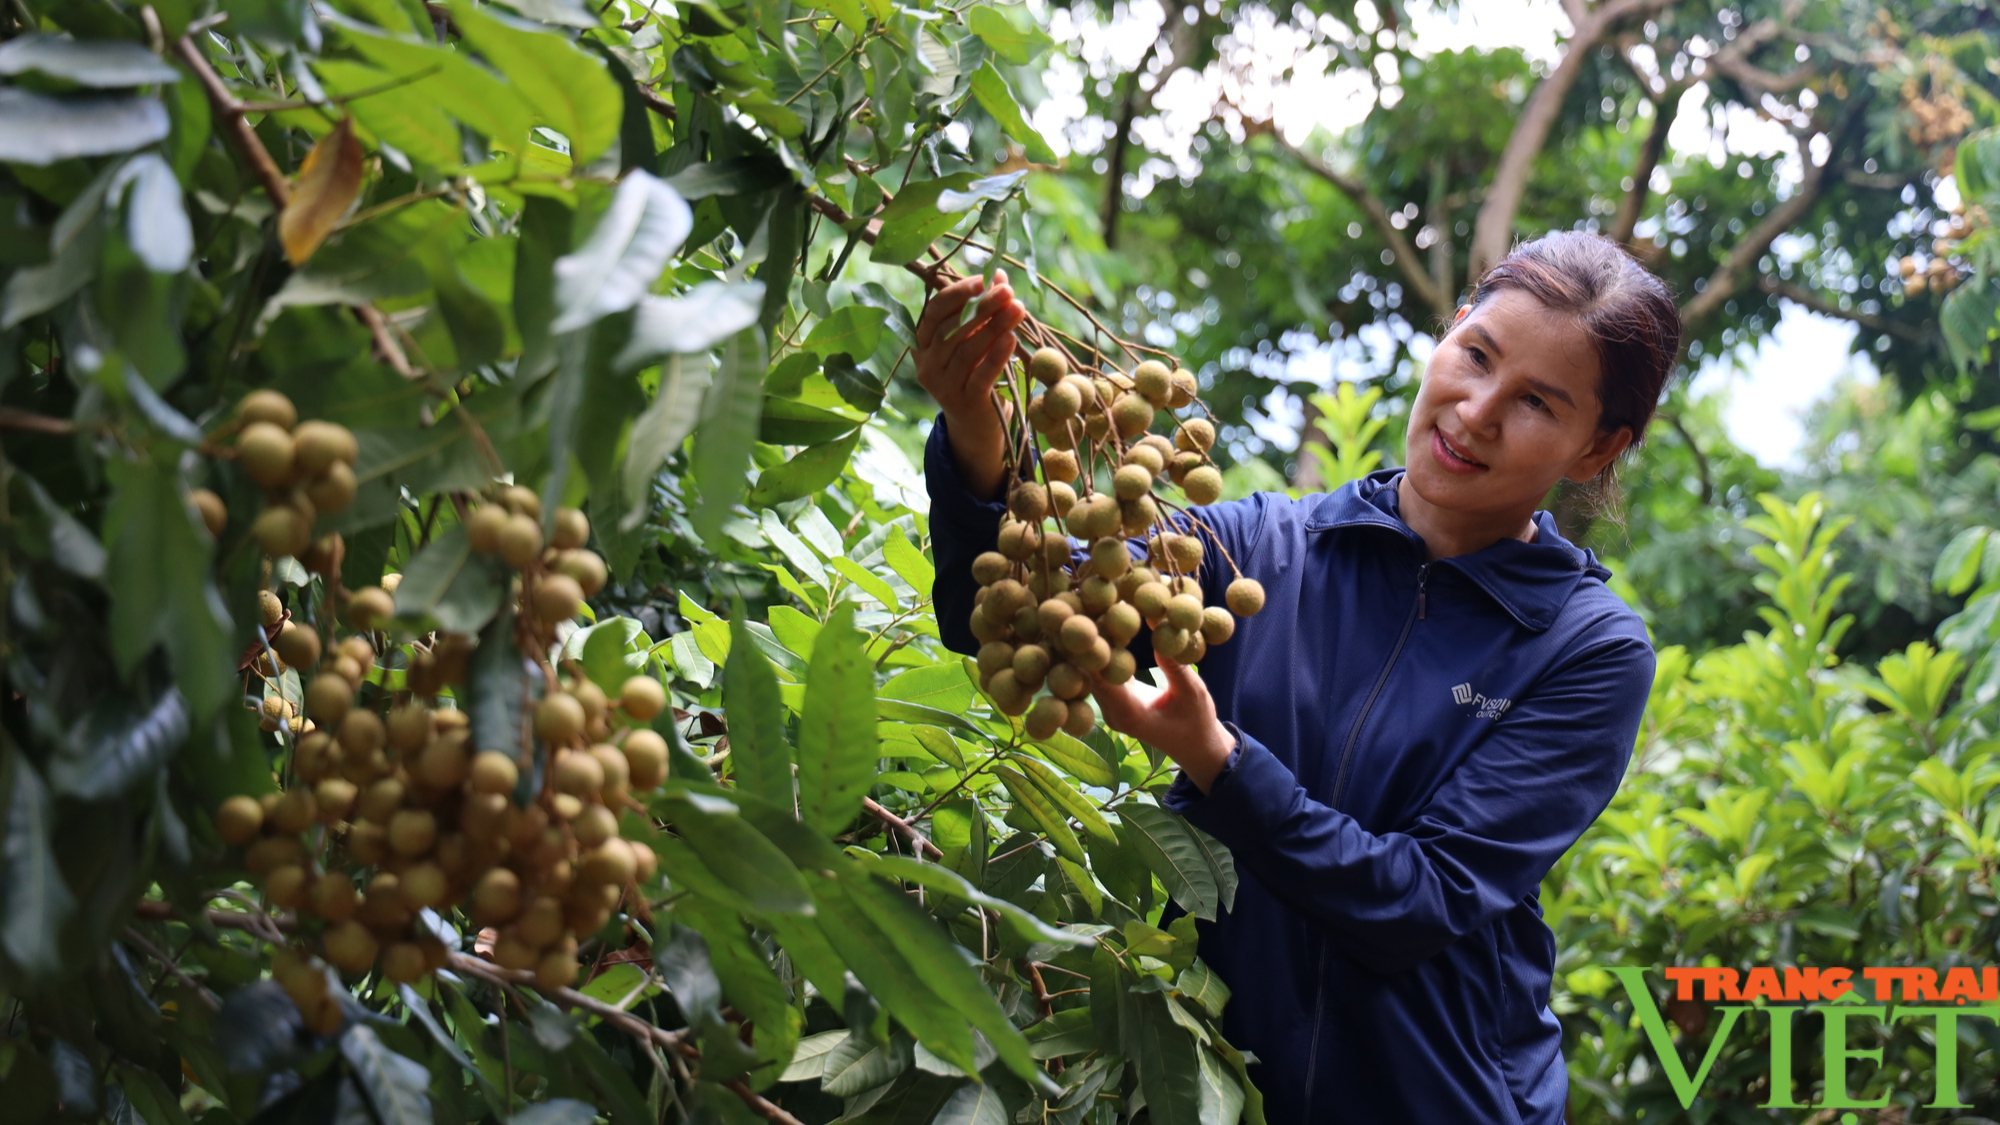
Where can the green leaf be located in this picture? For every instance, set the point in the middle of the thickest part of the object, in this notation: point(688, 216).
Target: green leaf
point(1169, 1071)
point(38, 129)
point(912, 220)
point(749, 985)
point(497, 689)
point(1066, 798)
point(728, 428)
point(1204, 988)
point(791, 422)
point(868, 580)
point(608, 652)
point(758, 750)
point(397, 1087)
point(451, 81)
point(1046, 814)
point(806, 472)
point(855, 931)
point(1220, 861)
point(976, 1103)
point(838, 750)
point(990, 23)
point(792, 547)
point(625, 253)
point(114, 749)
point(1969, 320)
point(848, 12)
point(569, 89)
point(998, 101)
point(658, 432)
point(101, 63)
point(908, 562)
point(1072, 757)
point(989, 190)
point(903, 711)
point(739, 855)
point(386, 111)
point(693, 322)
point(856, 1065)
point(38, 903)
point(161, 590)
point(809, 1061)
point(451, 585)
point(156, 221)
point(555, 1111)
point(853, 329)
point(948, 882)
point(1167, 844)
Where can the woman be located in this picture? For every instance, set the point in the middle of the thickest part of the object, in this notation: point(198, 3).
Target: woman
point(1439, 697)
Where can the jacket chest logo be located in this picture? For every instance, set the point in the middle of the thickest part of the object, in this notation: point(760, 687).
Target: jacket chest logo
point(1483, 708)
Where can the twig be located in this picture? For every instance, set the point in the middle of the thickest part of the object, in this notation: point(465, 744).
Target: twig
point(12, 419)
point(231, 112)
point(149, 949)
point(903, 828)
point(1040, 990)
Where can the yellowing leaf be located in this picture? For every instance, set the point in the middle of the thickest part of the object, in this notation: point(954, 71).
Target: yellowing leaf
point(328, 181)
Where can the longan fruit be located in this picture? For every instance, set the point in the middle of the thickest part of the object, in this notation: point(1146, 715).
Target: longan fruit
point(522, 500)
point(559, 719)
point(335, 797)
point(577, 774)
point(412, 832)
point(1080, 719)
point(403, 962)
point(1005, 689)
point(497, 897)
point(1168, 641)
point(346, 667)
point(265, 452)
point(214, 514)
point(1196, 649)
point(520, 541)
point(267, 406)
point(285, 886)
point(1048, 365)
point(1184, 612)
point(362, 733)
point(572, 530)
point(334, 489)
point(993, 656)
point(1121, 668)
point(1203, 485)
point(1119, 624)
point(483, 816)
point(1060, 465)
point(1077, 634)
point(1062, 498)
point(1131, 481)
point(369, 607)
point(378, 803)
point(1154, 380)
point(512, 951)
point(272, 852)
point(320, 445)
point(584, 566)
point(556, 969)
point(1066, 681)
point(1245, 597)
point(494, 773)
point(1093, 658)
point(1105, 516)
point(483, 527)
point(1061, 402)
point(1131, 414)
point(367, 843)
point(332, 897)
point(1186, 388)
point(617, 772)
point(350, 947)
point(1217, 625)
point(595, 703)
point(1031, 664)
point(1196, 435)
point(642, 698)
point(646, 755)
point(1046, 717)
point(282, 530)
point(1145, 455)
point(594, 825)
point(1185, 551)
point(424, 884)
point(270, 610)
point(646, 864)
point(409, 727)
point(556, 598)
point(444, 763)
point(294, 813)
point(1136, 517)
point(610, 864)
point(1029, 502)
point(239, 820)
point(1053, 612)
point(540, 925)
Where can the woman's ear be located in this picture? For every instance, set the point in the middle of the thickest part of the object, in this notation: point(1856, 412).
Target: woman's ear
point(1602, 451)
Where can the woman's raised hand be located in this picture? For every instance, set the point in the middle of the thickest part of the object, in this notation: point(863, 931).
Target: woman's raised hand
point(959, 363)
point(1180, 720)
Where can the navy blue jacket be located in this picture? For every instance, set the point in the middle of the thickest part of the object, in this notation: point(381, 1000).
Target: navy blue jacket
point(1420, 743)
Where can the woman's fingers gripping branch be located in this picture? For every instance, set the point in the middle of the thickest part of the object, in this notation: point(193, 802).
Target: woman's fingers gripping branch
point(959, 363)
point(1180, 720)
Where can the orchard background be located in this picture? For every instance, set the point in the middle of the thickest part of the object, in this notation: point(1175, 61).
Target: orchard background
point(580, 331)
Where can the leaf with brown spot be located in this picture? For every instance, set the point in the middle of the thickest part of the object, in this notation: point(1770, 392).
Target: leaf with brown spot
point(328, 181)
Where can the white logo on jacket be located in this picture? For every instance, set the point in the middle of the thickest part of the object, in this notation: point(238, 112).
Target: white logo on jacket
point(1483, 708)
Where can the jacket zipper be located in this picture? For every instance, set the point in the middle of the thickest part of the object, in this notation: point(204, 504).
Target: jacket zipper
point(1417, 613)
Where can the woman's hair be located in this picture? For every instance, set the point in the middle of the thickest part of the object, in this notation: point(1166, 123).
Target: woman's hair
point(1626, 312)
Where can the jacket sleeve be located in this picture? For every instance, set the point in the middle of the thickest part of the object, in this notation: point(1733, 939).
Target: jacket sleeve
point(1484, 841)
point(962, 526)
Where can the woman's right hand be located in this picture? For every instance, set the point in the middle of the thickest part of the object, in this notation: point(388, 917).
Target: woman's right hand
point(959, 364)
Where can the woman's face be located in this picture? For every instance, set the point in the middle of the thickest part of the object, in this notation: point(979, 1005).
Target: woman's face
point(1508, 406)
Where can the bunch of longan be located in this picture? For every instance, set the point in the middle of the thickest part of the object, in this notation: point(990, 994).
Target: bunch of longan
point(1940, 274)
point(306, 470)
point(422, 817)
point(1044, 618)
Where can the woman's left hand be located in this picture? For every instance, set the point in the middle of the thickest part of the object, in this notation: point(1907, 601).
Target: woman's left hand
point(1180, 720)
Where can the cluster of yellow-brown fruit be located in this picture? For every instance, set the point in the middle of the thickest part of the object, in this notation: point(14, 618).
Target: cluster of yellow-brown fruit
point(390, 808)
point(306, 470)
point(1043, 618)
point(1934, 120)
point(1940, 274)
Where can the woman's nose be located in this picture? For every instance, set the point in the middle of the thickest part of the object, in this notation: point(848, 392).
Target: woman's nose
point(1479, 410)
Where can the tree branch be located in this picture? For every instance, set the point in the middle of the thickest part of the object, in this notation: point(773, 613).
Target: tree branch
point(1407, 260)
point(903, 828)
point(1723, 283)
point(1493, 231)
point(1666, 107)
point(1733, 61)
point(1806, 298)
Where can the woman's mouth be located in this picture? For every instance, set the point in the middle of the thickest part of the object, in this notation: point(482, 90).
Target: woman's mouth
point(1450, 456)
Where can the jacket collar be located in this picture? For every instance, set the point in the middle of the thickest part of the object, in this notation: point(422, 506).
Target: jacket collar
point(1531, 581)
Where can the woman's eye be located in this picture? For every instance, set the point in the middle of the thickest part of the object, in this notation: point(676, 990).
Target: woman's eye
point(1536, 402)
point(1478, 356)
